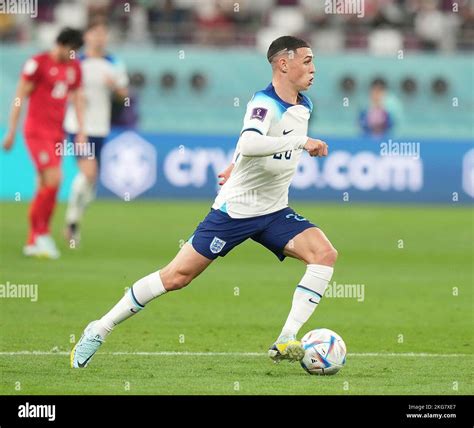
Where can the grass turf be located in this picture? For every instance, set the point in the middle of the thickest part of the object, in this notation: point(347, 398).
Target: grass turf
point(240, 303)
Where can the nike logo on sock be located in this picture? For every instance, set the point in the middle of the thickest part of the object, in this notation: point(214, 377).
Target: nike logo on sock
point(285, 132)
point(312, 301)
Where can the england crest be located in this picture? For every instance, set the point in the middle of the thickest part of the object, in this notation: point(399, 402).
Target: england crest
point(217, 245)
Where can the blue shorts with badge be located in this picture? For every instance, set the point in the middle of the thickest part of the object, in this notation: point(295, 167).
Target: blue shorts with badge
point(218, 233)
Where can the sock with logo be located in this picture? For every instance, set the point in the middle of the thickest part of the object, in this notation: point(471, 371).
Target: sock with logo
point(307, 296)
point(134, 300)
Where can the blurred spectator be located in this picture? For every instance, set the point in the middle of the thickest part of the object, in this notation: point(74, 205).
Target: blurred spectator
point(384, 26)
point(214, 23)
point(376, 120)
point(429, 23)
point(167, 23)
point(7, 28)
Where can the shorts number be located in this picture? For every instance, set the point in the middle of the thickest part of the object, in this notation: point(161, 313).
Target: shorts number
point(296, 217)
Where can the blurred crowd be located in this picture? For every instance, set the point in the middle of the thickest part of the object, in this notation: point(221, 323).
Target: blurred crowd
point(384, 27)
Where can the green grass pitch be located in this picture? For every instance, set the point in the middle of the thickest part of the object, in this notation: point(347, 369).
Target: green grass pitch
point(412, 333)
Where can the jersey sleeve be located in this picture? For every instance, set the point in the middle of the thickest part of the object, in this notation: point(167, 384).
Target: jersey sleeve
point(31, 70)
point(259, 115)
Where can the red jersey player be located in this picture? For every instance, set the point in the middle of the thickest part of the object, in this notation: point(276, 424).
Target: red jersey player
point(48, 79)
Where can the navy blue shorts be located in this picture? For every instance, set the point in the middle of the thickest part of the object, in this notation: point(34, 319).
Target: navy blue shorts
point(94, 148)
point(218, 233)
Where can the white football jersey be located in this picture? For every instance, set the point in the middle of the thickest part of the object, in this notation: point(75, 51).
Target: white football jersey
point(98, 108)
point(259, 185)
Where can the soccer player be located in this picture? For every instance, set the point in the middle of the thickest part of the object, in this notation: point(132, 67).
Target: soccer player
point(253, 203)
point(47, 80)
point(103, 77)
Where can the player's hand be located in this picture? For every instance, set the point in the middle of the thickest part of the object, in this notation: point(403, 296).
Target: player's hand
point(316, 147)
point(225, 174)
point(8, 141)
point(110, 82)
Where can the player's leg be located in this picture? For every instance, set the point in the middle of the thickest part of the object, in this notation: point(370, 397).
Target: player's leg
point(215, 236)
point(289, 234)
point(186, 266)
point(315, 250)
point(83, 187)
point(42, 211)
point(81, 195)
point(47, 161)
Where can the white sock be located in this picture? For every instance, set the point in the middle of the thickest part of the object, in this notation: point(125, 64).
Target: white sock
point(134, 300)
point(307, 297)
point(82, 194)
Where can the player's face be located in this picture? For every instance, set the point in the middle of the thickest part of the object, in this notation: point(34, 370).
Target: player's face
point(301, 68)
point(96, 37)
point(65, 52)
point(377, 94)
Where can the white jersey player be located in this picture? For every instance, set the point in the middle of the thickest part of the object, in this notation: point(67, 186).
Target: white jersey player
point(253, 203)
point(104, 76)
point(264, 167)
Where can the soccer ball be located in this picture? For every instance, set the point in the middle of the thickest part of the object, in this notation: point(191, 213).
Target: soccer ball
point(325, 352)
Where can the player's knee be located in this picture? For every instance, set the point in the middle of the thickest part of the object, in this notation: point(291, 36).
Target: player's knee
point(89, 170)
point(91, 176)
point(332, 256)
point(325, 255)
point(51, 179)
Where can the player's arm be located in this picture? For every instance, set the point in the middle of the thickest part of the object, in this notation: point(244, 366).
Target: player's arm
point(79, 103)
point(118, 82)
point(254, 144)
point(23, 91)
point(118, 90)
point(254, 141)
point(257, 145)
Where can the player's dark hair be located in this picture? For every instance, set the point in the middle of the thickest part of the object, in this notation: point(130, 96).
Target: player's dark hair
point(380, 82)
point(289, 43)
point(70, 37)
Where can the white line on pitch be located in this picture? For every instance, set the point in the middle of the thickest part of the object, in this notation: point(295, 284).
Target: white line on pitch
point(239, 354)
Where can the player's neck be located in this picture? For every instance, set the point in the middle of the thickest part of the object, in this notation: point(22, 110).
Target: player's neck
point(285, 92)
point(96, 53)
point(55, 55)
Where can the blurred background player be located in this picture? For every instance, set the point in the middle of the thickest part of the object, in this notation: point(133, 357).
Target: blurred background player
point(103, 78)
point(47, 79)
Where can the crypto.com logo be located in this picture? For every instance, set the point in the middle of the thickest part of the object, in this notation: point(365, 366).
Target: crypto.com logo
point(128, 165)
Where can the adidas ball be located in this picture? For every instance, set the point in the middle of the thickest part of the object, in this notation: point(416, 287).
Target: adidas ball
point(325, 352)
